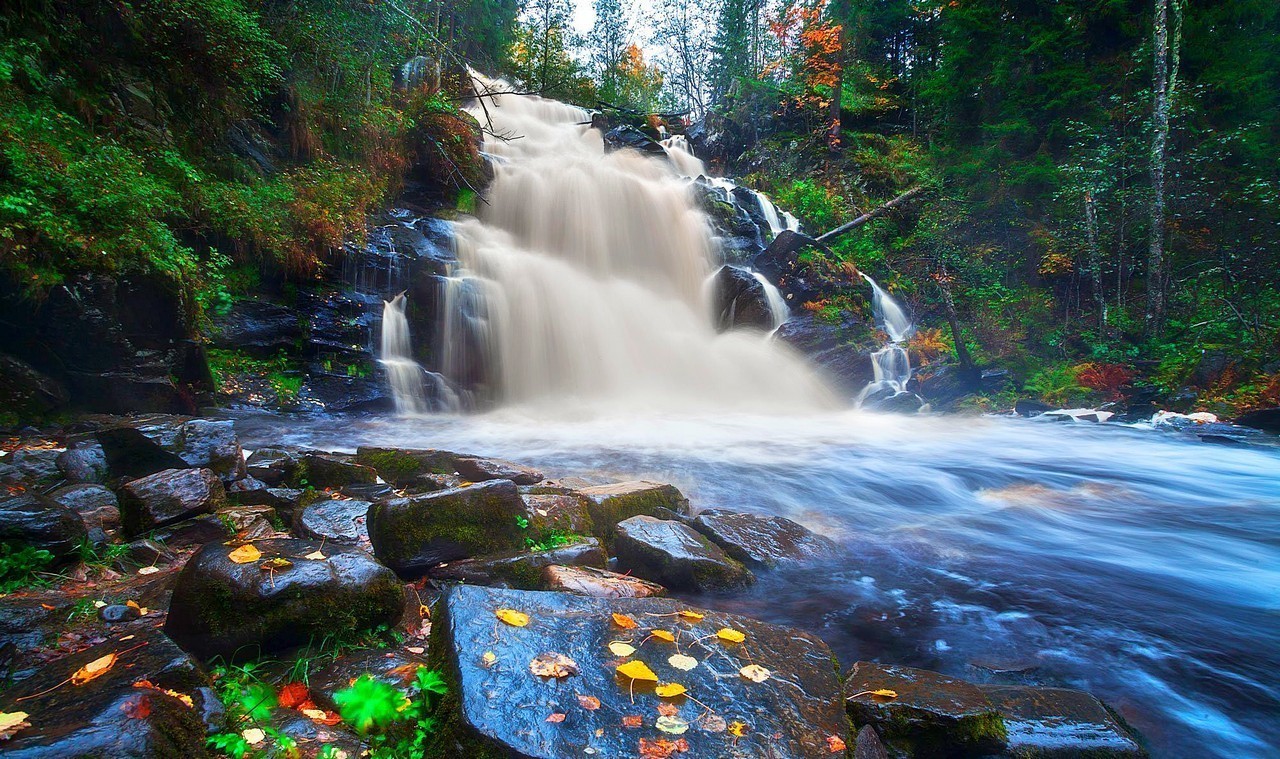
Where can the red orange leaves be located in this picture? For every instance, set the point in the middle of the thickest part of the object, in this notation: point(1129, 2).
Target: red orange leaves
point(293, 695)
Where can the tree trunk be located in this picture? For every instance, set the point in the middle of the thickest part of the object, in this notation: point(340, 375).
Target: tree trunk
point(1161, 93)
point(837, 92)
point(1095, 259)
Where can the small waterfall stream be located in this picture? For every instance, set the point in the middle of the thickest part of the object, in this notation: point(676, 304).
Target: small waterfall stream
point(396, 357)
point(891, 364)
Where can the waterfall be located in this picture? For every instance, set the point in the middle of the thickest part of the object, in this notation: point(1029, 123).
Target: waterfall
point(777, 304)
point(396, 357)
point(589, 269)
point(891, 365)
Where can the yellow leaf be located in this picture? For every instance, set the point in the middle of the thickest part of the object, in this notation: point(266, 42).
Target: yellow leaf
point(673, 725)
point(682, 662)
point(512, 617)
point(637, 670)
point(731, 635)
point(669, 690)
point(691, 615)
point(316, 556)
point(737, 729)
point(755, 673)
point(275, 564)
point(623, 621)
point(489, 658)
point(93, 670)
point(315, 715)
point(245, 554)
point(618, 648)
point(253, 736)
point(882, 693)
point(663, 635)
point(12, 722)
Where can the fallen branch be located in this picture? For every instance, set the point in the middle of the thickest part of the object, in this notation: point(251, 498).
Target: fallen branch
point(788, 243)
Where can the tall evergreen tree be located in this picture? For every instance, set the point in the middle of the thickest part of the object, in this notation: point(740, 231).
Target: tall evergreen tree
point(731, 47)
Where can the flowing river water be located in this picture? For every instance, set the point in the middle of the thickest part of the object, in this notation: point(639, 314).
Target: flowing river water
point(1140, 565)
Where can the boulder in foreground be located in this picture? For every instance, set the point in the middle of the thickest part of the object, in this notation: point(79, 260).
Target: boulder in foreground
point(613, 503)
point(226, 605)
point(34, 520)
point(498, 707)
point(1057, 723)
point(761, 541)
point(675, 555)
point(167, 497)
point(601, 583)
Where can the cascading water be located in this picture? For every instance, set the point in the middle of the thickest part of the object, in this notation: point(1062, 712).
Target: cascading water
point(590, 268)
point(890, 364)
point(396, 357)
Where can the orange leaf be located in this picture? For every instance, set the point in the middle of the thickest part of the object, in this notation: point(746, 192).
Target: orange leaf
point(835, 744)
point(245, 554)
point(93, 670)
point(633, 720)
point(293, 694)
point(590, 703)
point(556, 717)
point(625, 622)
point(137, 708)
point(663, 635)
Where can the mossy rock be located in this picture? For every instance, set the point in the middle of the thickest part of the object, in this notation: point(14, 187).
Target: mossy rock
point(415, 533)
point(610, 504)
point(523, 570)
point(676, 556)
point(402, 466)
point(330, 470)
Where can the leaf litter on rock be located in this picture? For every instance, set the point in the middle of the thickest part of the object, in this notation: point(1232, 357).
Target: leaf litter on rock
point(512, 617)
point(551, 664)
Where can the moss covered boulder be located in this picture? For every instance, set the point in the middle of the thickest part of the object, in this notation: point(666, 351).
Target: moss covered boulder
point(238, 604)
point(167, 497)
point(332, 470)
point(673, 554)
point(415, 533)
point(403, 466)
point(522, 569)
point(476, 469)
point(613, 503)
point(932, 716)
point(788, 707)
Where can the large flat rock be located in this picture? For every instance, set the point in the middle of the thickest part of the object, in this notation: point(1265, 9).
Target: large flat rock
point(1057, 723)
point(672, 554)
point(497, 707)
point(761, 541)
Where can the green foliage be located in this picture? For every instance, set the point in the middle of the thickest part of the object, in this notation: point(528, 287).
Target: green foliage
point(281, 373)
point(1058, 386)
point(396, 725)
point(21, 565)
point(553, 539)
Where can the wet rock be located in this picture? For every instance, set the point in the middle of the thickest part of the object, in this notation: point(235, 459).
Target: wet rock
point(35, 464)
point(287, 501)
point(1028, 407)
point(30, 519)
point(548, 513)
point(95, 504)
point(1056, 723)
point(114, 613)
point(151, 444)
point(213, 445)
point(83, 462)
point(412, 534)
point(223, 608)
point(403, 466)
point(610, 504)
point(868, 745)
point(249, 522)
point(272, 465)
point(522, 570)
point(740, 300)
point(130, 453)
point(627, 136)
point(169, 496)
point(760, 541)
point(257, 327)
point(145, 553)
point(1267, 420)
point(108, 716)
point(332, 470)
point(396, 668)
point(675, 555)
point(29, 622)
point(249, 491)
point(933, 715)
point(894, 402)
point(27, 392)
point(599, 583)
point(312, 738)
point(205, 528)
point(842, 351)
point(368, 492)
point(480, 470)
point(499, 708)
point(337, 521)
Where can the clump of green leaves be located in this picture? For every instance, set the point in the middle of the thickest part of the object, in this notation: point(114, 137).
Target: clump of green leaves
point(20, 566)
point(552, 539)
point(249, 703)
point(396, 725)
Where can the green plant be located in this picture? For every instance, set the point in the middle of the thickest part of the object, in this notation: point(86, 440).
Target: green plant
point(249, 702)
point(102, 557)
point(396, 725)
point(552, 539)
point(21, 567)
point(1058, 385)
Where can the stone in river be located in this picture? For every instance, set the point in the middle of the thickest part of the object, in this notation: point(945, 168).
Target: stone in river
point(396, 667)
point(415, 533)
point(522, 569)
point(932, 715)
point(340, 521)
point(1057, 723)
point(169, 496)
point(221, 607)
point(333, 470)
point(497, 707)
point(761, 541)
point(675, 555)
point(108, 716)
point(611, 504)
point(478, 470)
point(83, 462)
point(402, 466)
point(601, 583)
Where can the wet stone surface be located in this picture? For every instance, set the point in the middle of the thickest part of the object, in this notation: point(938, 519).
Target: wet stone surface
point(397, 668)
point(497, 707)
point(1056, 723)
point(523, 569)
point(339, 521)
point(479, 470)
point(600, 583)
point(675, 555)
point(761, 541)
point(167, 497)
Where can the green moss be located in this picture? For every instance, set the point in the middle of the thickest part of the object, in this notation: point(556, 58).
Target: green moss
point(402, 466)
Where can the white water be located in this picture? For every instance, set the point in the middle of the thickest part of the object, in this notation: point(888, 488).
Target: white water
point(590, 266)
point(396, 357)
point(891, 364)
point(777, 304)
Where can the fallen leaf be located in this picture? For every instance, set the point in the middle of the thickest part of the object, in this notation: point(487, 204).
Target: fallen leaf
point(315, 715)
point(556, 717)
point(93, 670)
point(669, 690)
point(738, 729)
point(618, 648)
point(667, 710)
point(551, 664)
point(99, 604)
point(835, 744)
point(253, 736)
point(672, 725)
point(488, 659)
point(512, 617)
point(625, 622)
point(755, 673)
point(633, 720)
point(148, 570)
point(316, 556)
point(692, 615)
point(590, 703)
point(712, 723)
point(12, 722)
point(293, 694)
point(682, 662)
point(731, 635)
point(415, 649)
point(663, 635)
point(245, 554)
point(137, 708)
point(184, 698)
point(276, 564)
point(637, 670)
point(661, 748)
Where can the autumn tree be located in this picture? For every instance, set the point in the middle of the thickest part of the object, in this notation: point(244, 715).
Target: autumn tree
point(609, 43)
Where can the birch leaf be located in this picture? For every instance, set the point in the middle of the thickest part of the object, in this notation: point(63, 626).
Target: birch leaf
point(672, 725)
point(755, 673)
point(618, 648)
point(691, 615)
point(512, 617)
point(669, 690)
point(245, 554)
point(663, 635)
point(731, 635)
point(12, 722)
point(637, 670)
point(625, 622)
point(682, 662)
point(93, 670)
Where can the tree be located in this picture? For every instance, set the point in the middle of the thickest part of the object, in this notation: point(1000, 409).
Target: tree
point(1164, 86)
point(609, 42)
point(683, 34)
point(731, 48)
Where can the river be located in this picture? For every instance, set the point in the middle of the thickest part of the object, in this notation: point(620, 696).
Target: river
point(1142, 566)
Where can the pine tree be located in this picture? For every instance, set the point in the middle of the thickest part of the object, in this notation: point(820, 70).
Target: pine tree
point(731, 47)
point(608, 46)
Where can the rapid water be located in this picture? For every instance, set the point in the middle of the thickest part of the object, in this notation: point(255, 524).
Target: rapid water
point(1139, 565)
point(404, 374)
point(890, 366)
